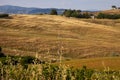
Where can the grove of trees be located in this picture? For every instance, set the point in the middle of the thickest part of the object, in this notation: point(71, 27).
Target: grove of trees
point(53, 12)
point(76, 14)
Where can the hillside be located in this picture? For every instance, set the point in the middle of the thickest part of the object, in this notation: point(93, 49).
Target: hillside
point(108, 22)
point(111, 11)
point(25, 10)
point(111, 63)
point(46, 34)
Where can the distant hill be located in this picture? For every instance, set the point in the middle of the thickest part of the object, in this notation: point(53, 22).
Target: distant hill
point(23, 10)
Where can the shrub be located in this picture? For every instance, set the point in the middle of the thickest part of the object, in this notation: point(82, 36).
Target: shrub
point(4, 15)
point(1, 54)
point(27, 60)
point(108, 16)
point(76, 14)
point(53, 12)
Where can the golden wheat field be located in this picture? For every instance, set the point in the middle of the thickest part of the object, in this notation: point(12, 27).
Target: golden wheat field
point(46, 34)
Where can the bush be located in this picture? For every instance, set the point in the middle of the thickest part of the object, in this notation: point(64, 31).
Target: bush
point(27, 60)
point(1, 54)
point(4, 15)
point(53, 12)
point(108, 16)
point(19, 60)
point(76, 14)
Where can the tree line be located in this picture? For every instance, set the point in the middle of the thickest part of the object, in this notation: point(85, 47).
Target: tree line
point(72, 13)
point(77, 14)
point(108, 16)
point(80, 14)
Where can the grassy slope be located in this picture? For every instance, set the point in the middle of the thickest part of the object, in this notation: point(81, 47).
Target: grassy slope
point(108, 22)
point(112, 11)
point(44, 34)
point(111, 63)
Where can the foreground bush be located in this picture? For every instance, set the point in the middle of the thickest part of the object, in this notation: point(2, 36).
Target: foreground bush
point(52, 72)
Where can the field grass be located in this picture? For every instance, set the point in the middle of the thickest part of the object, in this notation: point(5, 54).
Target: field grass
point(105, 63)
point(78, 42)
point(115, 23)
point(111, 11)
point(46, 34)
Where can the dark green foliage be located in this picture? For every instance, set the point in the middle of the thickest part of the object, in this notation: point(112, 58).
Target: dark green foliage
point(21, 60)
point(0, 49)
point(1, 54)
point(27, 60)
point(76, 14)
point(108, 16)
point(50, 72)
point(113, 6)
point(4, 15)
point(83, 74)
point(70, 73)
point(68, 13)
point(53, 12)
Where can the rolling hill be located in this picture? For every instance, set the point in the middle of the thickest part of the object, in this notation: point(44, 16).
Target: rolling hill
point(111, 11)
point(24, 10)
point(47, 34)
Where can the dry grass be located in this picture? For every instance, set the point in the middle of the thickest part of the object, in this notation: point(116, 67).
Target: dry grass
point(44, 34)
point(111, 63)
point(115, 23)
point(111, 11)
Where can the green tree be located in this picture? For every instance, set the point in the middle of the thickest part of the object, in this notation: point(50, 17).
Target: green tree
point(114, 7)
point(76, 14)
point(67, 13)
point(53, 12)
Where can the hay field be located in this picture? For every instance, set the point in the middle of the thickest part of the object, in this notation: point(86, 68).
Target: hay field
point(46, 34)
point(105, 63)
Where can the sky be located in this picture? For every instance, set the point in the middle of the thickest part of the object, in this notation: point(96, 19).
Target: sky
point(66, 4)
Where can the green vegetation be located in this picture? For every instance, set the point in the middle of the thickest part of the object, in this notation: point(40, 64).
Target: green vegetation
point(18, 59)
point(114, 7)
point(51, 72)
point(108, 16)
point(1, 54)
point(76, 14)
point(53, 12)
point(30, 68)
point(4, 15)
